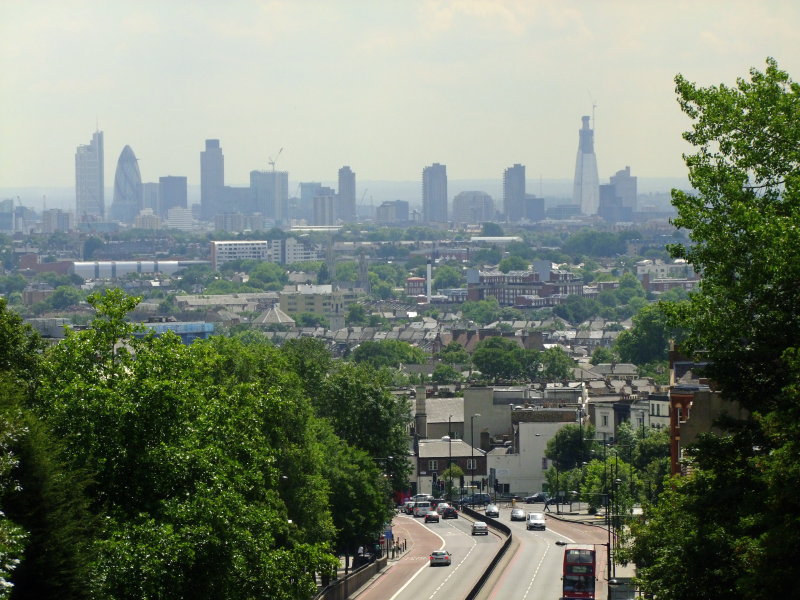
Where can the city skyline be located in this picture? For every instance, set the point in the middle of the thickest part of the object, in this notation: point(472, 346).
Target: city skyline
point(386, 88)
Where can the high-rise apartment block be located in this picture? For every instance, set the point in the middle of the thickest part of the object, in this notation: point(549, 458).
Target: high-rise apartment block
point(55, 219)
point(434, 193)
point(323, 210)
point(513, 192)
point(212, 181)
point(392, 211)
point(346, 199)
point(127, 188)
point(618, 198)
point(90, 180)
point(586, 187)
point(172, 193)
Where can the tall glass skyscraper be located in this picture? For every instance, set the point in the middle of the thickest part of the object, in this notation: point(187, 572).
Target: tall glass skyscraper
point(346, 198)
point(514, 192)
point(586, 189)
point(90, 180)
point(127, 188)
point(434, 193)
point(212, 181)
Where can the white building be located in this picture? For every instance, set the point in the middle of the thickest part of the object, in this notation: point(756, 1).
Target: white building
point(284, 252)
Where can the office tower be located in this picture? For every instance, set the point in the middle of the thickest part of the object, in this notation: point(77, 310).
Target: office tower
point(434, 194)
point(90, 180)
point(212, 181)
point(55, 219)
point(586, 189)
point(323, 212)
point(618, 198)
point(472, 208)
point(625, 187)
point(270, 190)
point(305, 204)
point(127, 188)
point(533, 208)
point(346, 205)
point(392, 211)
point(172, 193)
point(150, 196)
point(513, 192)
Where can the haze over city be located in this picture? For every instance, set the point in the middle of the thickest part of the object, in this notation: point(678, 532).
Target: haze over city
point(384, 87)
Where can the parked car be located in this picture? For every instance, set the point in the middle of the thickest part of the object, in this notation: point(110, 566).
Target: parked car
point(535, 521)
point(431, 516)
point(534, 498)
point(480, 528)
point(517, 514)
point(492, 510)
point(440, 557)
point(450, 512)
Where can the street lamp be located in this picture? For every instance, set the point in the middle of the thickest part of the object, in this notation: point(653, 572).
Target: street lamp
point(472, 450)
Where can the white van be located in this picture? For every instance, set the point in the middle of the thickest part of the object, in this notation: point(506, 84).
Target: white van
point(421, 508)
point(535, 521)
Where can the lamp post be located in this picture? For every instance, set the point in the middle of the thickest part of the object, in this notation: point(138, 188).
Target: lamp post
point(450, 452)
point(472, 450)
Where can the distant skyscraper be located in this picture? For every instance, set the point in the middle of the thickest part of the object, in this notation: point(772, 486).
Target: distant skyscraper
point(514, 192)
point(172, 193)
point(323, 211)
point(434, 194)
point(212, 181)
point(625, 187)
point(127, 188)
point(346, 207)
point(586, 190)
point(472, 208)
point(90, 180)
point(150, 197)
point(271, 194)
point(618, 198)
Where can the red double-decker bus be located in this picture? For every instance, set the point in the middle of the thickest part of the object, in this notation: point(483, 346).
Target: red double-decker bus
point(580, 569)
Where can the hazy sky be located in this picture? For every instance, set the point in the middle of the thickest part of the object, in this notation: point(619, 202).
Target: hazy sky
point(383, 86)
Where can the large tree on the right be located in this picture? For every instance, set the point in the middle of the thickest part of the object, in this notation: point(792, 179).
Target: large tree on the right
point(723, 530)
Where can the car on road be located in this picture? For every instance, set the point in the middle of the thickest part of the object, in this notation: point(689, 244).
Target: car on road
point(535, 521)
point(480, 528)
point(440, 557)
point(432, 516)
point(450, 512)
point(476, 499)
point(534, 498)
point(441, 506)
point(421, 508)
point(517, 514)
point(492, 510)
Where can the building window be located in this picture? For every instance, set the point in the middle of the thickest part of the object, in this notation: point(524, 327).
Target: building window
point(544, 463)
point(472, 464)
point(605, 420)
point(433, 465)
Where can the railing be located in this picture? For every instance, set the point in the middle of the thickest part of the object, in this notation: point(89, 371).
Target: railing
point(340, 589)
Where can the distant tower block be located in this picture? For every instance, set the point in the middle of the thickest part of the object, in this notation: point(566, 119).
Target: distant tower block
point(586, 190)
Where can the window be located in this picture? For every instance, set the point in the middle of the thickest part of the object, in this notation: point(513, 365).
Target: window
point(472, 464)
point(433, 465)
point(605, 420)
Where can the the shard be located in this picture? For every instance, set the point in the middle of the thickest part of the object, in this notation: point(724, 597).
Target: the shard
point(127, 188)
point(586, 190)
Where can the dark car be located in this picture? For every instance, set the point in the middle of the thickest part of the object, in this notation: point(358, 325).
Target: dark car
point(534, 498)
point(431, 516)
point(492, 511)
point(450, 513)
point(477, 499)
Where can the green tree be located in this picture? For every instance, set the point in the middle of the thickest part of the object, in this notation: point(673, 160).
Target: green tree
point(444, 373)
point(482, 312)
point(513, 263)
point(648, 339)
point(556, 365)
point(447, 277)
point(502, 358)
point(356, 315)
point(64, 296)
point(602, 355)
point(492, 230)
point(454, 354)
point(571, 446)
point(742, 219)
point(388, 353)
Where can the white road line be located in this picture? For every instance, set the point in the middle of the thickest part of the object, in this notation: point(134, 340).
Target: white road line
point(421, 569)
point(539, 566)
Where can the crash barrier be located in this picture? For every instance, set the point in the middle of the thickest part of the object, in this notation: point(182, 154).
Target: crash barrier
point(341, 589)
point(494, 523)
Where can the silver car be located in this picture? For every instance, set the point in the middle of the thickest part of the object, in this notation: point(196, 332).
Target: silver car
point(492, 511)
point(517, 514)
point(480, 528)
point(440, 557)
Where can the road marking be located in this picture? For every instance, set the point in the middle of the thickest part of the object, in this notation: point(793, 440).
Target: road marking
point(420, 570)
point(453, 571)
point(539, 566)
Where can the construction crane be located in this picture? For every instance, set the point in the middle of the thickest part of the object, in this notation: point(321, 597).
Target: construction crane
point(272, 161)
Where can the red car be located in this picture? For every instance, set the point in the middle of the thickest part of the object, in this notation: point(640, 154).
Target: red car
point(450, 513)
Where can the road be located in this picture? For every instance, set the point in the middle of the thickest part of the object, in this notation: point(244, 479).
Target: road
point(471, 557)
point(534, 571)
